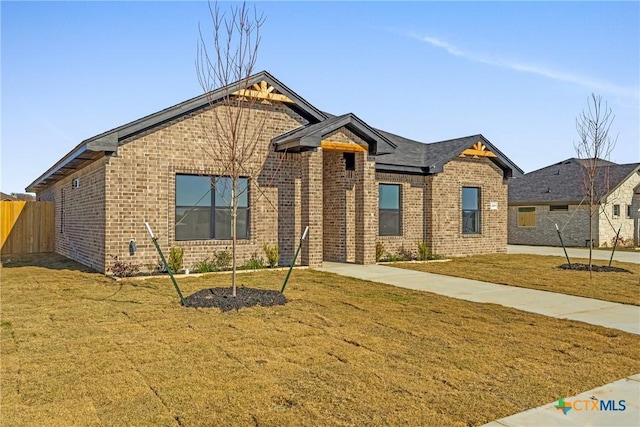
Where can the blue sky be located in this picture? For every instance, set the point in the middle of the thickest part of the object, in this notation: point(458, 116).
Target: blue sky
point(517, 72)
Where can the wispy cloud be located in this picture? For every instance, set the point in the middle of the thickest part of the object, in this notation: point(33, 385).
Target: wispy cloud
point(589, 83)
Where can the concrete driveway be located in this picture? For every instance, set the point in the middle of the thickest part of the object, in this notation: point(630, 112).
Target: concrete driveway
point(598, 254)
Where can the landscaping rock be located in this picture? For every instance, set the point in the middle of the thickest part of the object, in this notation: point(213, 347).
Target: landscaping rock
point(245, 297)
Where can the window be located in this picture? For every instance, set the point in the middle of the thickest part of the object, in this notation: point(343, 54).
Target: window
point(203, 208)
point(628, 211)
point(62, 211)
point(349, 161)
point(616, 211)
point(389, 210)
point(559, 208)
point(527, 217)
point(470, 210)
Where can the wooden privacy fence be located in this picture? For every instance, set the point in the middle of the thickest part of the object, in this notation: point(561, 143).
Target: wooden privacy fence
point(26, 227)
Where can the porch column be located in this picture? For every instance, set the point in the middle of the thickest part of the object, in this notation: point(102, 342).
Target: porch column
point(311, 206)
point(366, 209)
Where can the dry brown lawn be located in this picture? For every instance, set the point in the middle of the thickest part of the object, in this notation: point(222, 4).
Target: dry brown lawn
point(542, 272)
point(80, 349)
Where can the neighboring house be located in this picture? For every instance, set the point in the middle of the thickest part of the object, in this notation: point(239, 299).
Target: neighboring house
point(351, 184)
point(17, 196)
point(555, 195)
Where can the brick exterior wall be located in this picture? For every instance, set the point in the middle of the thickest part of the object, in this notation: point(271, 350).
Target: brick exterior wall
point(311, 206)
point(137, 184)
point(140, 186)
point(339, 209)
point(366, 209)
point(608, 225)
point(82, 235)
point(573, 223)
point(432, 209)
point(444, 227)
point(414, 211)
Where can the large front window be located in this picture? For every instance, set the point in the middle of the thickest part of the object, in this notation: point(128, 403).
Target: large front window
point(470, 210)
point(389, 210)
point(204, 208)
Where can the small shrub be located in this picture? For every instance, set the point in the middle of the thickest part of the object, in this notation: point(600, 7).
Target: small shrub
point(222, 259)
point(423, 251)
point(175, 260)
point(272, 253)
point(151, 268)
point(405, 254)
point(622, 242)
point(389, 257)
point(204, 266)
point(379, 251)
point(122, 268)
point(254, 263)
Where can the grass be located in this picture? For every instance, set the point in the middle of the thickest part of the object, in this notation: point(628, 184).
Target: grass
point(542, 272)
point(81, 349)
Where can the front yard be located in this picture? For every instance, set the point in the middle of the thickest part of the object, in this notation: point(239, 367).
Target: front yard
point(542, 272)
point(80, 349)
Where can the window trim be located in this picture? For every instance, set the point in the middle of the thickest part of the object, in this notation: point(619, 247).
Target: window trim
point(616, 207)
point(629, 211)
point(398, 210)
point(214, 208)
point(529, 209)
point(478, 211)
point(558, 208)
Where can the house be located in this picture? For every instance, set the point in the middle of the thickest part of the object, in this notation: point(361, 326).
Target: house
point(555, 194)
point(352, 184)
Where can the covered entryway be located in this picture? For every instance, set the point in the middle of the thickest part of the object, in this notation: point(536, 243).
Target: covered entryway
point(340, 212)
point(339, 195)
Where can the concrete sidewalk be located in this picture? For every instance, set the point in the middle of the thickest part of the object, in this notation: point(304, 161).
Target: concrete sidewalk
point(608, 314)
point(597, 312)
point(626, 389)
point(598, 254)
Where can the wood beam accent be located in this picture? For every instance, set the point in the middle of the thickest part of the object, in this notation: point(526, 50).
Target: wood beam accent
point(478, 150)
point(263, 90)
point(345, 147)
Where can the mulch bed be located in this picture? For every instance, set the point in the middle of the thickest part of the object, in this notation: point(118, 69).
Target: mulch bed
point(245, 297)
point(596, 268)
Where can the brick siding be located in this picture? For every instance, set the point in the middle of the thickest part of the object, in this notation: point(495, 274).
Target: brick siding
point(137, 184)
point(432, 209)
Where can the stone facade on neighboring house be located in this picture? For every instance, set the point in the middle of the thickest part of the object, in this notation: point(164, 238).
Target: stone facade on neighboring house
point(555, 195)
point(318, 170)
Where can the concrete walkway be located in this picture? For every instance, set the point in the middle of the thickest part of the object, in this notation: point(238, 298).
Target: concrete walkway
point(627, 389)
point(598, 254)
point(603, 313)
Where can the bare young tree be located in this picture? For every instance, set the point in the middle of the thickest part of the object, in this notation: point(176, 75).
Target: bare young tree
point(594, 148)
point(234, 131)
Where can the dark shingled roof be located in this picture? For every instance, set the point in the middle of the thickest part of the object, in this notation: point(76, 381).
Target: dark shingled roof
point(418, 157)
point(563, 182)
point(393, 153)
point(310, 136)
point(397, 153)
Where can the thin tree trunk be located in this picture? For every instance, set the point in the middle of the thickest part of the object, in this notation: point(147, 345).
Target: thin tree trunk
point(591, 243)
point(234, 220)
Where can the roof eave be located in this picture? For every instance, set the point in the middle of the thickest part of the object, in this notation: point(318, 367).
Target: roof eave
point(413, 170)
